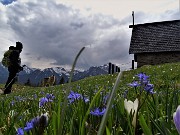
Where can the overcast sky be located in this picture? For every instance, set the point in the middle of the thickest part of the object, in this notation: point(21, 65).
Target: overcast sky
point(53, 31)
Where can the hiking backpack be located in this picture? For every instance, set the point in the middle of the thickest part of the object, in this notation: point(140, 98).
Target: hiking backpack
point(6, 60)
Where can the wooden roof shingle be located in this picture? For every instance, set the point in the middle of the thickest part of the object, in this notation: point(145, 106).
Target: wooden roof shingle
point(155, 37)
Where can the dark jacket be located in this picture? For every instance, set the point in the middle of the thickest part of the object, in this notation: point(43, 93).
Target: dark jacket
point(15, 60)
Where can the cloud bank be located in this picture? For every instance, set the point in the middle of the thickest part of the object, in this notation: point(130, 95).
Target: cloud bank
point(53, 33)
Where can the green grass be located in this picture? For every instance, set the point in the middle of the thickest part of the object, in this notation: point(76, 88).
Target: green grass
point(154, 116)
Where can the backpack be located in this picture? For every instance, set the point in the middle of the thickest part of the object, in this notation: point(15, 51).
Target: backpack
point(6, 60)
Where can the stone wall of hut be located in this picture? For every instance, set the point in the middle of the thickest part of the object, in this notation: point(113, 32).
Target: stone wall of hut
point(156, 58)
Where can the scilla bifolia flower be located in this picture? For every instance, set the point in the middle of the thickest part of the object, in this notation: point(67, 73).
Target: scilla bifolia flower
point(176, 118)
point(132, 108)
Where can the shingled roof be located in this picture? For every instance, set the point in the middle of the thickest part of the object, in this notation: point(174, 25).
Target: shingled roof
point(155, 37)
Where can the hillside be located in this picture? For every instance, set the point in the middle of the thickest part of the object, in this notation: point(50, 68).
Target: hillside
point(155, 110)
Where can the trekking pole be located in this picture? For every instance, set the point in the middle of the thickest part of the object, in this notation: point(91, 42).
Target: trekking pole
point(13, 78)
point(11, 81)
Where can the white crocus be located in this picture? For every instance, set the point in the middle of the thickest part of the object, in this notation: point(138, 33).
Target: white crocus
point(132, 107)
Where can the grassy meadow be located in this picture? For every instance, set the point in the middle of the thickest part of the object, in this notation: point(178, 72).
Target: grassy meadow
point(39, 110)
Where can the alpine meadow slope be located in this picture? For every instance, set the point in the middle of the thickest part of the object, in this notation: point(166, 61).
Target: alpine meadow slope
point(155, 88)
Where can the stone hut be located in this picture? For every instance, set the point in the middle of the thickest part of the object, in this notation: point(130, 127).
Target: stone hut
point(155, 43)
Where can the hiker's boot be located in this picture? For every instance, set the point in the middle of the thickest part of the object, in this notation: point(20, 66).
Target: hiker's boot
point(7, 91)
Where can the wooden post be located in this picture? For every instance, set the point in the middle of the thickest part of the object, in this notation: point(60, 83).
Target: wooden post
point(132, 64)
point(119, 69)
point(116, 68)
point(110, 68)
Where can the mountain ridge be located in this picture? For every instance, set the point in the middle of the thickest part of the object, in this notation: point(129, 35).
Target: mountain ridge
point(35, 76)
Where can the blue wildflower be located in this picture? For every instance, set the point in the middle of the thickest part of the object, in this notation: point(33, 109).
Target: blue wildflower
point(176, 118)
point(29, 126)
point(39, 120)
point(142, 76)
point(86, 99)
point(98, 112)
point(50, 96)
point(20, 131)
point(134, 84)
point(43, 101)
point(149, 88)
point(35, 121)
point(74, 96)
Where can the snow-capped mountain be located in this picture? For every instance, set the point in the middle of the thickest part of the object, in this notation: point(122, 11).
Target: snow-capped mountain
point(35, 76)
point(3, 74)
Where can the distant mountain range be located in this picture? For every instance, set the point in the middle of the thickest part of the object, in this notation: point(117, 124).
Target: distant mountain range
point(35, 76)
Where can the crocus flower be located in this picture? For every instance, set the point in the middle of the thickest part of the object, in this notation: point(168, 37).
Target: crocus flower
point(85, 99)
point(74, 96)
point(50, 96)
point(29, 126)
point(149, 88)
point(134, 84)
point(35, 121)
point(176, 118)
point(20, 131)
point(98, 112)
point(43, 101)
point(132, 107)
point(142, 76)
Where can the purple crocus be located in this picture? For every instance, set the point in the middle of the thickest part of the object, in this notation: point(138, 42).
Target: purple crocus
point(149, 88)
point(35, 121)
point(20, 131)
point(98, 112)
point(142, 76)
point(43, 101)
point(50, 96)
point(74, 96)
point(85, 99)
point(39, 120)
point(176, 118)
point(134, 84)
point(29, 126)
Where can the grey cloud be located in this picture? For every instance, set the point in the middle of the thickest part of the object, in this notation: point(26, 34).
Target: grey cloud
point(55, 31)
point(76, 25)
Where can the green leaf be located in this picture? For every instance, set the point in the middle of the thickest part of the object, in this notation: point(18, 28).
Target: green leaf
point(144, 126)
point(107, 131)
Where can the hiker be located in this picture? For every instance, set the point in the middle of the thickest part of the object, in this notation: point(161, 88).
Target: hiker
point(14, 66)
